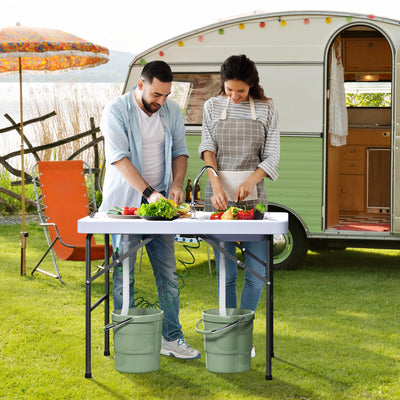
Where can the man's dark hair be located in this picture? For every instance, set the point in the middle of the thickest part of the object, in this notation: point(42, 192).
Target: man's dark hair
point(157, 69)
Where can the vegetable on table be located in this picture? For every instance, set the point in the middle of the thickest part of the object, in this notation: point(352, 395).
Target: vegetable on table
point(115, 211)
point(243, 214)
point(230, 213)
point(129, 211)
point(259, 211)
point(216, 215)
point(160, 208)
point(183, 208)
point(236, 213)
point(172, 202)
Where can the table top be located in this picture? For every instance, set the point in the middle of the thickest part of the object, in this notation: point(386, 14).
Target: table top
point(273, 223)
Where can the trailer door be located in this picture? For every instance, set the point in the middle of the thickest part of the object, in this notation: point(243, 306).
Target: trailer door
point(396, 150)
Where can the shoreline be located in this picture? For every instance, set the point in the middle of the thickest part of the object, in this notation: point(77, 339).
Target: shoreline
point(17, 219)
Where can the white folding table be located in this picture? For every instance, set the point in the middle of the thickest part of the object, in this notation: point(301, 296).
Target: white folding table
point(211, 231)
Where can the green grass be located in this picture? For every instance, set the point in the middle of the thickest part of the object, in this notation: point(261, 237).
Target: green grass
point(336, 331)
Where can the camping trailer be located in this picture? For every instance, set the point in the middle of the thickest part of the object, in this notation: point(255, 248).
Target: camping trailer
point(338, 193)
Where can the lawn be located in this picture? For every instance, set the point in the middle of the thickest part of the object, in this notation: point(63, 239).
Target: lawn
point(336, 331)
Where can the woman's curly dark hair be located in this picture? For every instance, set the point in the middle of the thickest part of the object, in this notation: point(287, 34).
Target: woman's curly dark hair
point(241, 68)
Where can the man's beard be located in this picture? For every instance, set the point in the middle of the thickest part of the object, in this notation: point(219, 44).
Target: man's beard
point(148, 106)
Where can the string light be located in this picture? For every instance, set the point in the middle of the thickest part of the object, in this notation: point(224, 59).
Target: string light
point(262, 24)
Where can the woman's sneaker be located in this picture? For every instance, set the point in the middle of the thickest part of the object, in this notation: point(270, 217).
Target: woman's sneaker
point(179, 349)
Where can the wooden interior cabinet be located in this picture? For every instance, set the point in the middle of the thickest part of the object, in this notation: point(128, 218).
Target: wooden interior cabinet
point(364, 172)
point(352, 178)
point(367, 55)
point(378, 183)
point(351, 196)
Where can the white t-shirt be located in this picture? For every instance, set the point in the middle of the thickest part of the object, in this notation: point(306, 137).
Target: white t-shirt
point(153, 141)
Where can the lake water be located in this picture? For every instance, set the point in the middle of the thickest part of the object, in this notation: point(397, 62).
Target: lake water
point(74, 103)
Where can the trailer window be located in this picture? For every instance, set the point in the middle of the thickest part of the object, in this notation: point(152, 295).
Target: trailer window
point(190, 91)
point(368, 94)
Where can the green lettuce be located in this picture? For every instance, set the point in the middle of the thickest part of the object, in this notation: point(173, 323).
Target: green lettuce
point(160, 208)
point(261, 207)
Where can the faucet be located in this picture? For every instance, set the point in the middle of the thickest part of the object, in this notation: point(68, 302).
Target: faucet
point(193, 204)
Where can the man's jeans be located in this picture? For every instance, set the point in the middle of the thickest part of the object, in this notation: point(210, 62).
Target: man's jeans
point(162, 257)
point(253, 286)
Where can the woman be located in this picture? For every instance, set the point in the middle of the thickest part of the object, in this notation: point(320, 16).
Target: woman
point(240, 139)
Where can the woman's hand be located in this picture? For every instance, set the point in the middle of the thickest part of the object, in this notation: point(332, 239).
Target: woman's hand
point(245, 188)
point(219, 199)
point(242, 191)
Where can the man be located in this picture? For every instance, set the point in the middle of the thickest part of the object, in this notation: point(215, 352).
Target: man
point(146, 158)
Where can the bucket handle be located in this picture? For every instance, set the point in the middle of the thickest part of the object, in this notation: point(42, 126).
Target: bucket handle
point(231, 325)
point(114, 324)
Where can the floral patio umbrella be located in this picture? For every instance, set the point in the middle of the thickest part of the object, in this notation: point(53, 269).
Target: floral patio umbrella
point(42, 49)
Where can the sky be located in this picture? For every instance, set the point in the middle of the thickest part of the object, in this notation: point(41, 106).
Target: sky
point(133, 26)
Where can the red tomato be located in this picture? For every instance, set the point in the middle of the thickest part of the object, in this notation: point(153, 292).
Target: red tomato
point(216, 215)
point(242, 214)
point(125, 210)
point(129, 210)
point(133, 210)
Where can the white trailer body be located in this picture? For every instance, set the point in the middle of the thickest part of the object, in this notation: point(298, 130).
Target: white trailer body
point(316, 186)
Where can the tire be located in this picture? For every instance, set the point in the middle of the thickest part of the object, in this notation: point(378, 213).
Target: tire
point(291, 248)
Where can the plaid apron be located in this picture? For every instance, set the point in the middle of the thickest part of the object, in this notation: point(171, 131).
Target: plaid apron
point(240, 143)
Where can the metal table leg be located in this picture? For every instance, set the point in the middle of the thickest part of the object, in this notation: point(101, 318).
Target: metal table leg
point(269, 307)
point(88, 372)
point(106, 297)
point(106, 294)
point(269, 292)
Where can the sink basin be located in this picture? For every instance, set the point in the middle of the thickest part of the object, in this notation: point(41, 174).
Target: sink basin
point(236, 238)
point(226, 237)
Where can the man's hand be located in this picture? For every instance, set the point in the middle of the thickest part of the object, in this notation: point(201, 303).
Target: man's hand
point(154, 197)
point(176, 194)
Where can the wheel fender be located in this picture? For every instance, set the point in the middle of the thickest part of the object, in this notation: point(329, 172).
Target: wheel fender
point(275, 207)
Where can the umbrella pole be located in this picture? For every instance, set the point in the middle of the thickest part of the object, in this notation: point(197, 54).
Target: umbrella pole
point(23, 234)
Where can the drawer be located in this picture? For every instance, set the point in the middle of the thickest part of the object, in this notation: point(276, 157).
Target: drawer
point(353, 153)
point(369, 137)
point(355, 167)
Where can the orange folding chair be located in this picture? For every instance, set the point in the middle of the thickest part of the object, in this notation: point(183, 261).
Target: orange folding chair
point(62, 197)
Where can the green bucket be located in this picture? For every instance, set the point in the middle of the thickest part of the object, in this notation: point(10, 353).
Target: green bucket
point(228, 339)
point(137, 339)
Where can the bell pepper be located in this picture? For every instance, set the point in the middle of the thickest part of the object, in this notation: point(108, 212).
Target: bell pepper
point(243, 214)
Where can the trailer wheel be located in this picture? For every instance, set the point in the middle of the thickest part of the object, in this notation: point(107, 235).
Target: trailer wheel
point(291, 248)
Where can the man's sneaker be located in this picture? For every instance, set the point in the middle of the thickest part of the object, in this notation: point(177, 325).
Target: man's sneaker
point(179, 349)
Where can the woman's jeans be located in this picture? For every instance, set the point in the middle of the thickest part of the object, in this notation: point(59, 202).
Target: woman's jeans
point(253, 286)
point(162, 257)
